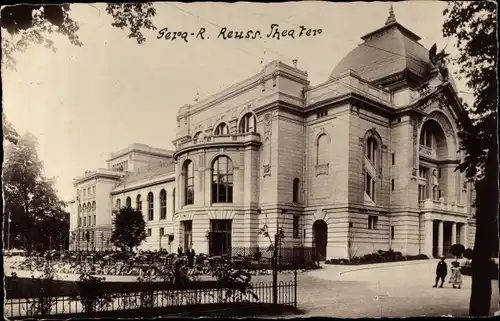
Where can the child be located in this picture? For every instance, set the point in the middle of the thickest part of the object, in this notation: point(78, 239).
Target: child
point(456, 275)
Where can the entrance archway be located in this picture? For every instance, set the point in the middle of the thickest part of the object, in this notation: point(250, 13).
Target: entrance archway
point(320, 239)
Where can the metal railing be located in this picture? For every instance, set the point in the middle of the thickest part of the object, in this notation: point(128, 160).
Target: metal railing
point(165, 300)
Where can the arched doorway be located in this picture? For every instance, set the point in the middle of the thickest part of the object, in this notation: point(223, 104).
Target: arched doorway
point(320, 239)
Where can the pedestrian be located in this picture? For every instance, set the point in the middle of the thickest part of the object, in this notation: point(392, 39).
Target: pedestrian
point(441, 272)
point(456, 275)
point(190, 255)
point(179, 251)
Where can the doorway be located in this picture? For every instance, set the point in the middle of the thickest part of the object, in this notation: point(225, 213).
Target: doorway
point(320, 239)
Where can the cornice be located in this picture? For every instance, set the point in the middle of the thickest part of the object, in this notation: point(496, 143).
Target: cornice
point(215, 146)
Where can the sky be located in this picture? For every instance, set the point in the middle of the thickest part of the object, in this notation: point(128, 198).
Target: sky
point(85, 102)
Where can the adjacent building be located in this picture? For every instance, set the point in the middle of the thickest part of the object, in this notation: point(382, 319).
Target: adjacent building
point(362, 162)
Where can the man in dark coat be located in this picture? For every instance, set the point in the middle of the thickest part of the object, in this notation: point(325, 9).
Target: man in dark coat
point(441, 271)
point(179, 251)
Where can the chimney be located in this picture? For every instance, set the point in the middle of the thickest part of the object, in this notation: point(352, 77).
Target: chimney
point(295, 61)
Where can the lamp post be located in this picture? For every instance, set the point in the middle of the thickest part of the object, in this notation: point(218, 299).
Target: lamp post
point(8, 232)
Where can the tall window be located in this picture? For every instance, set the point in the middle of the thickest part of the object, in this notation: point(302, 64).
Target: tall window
point(321, 149)
point(371, 149)
point(422, 195)
point(138, 203)
point(221, 129)
point(118, 203)
point(426, 137)
point(188, 233)
point(392, 232)
point(248, 124)
point(296, 185)
point(372, 222)
point(188, 182)
point(163, 204)
point(93, 206)
point(128, 202)
point(151, 213)
point(94, 220)
point(370, 186)
point(222, 180)
point(296, 226)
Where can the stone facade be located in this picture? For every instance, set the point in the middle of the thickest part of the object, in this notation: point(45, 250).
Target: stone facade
point(348, 167)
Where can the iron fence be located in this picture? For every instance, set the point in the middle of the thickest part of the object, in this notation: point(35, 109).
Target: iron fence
point(187, 299)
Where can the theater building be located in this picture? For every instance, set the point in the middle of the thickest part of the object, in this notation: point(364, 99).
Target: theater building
point(362, 162)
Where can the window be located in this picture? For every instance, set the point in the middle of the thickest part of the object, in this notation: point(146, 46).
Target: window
point(85, 221)
point(372, 222)
point(188, 172)
point(423, 172)
point(93, 190)
point(94, 220)
point(151, 214)
point(84, 192)
point(321, 149)
point(128, 202)
point(196, 136)
point(163, 204)
point(138, 203)
point(370, 186)
point(392, 184)
point(393, 159)
point(88, 190)
point(392, 232)
point(188, 233)
point(149, 232)
point(296, 226)
point(296, 185)
point(426, 137)
point(222, 180)
point(79, 221)
point(219, 240)
point(248, 124)
point(221, 129)
point(162, 231)
point(422, 192)
point(118, 204)
point(173, 198)
point(439, 172)
point(371, 149)
point(93, 206)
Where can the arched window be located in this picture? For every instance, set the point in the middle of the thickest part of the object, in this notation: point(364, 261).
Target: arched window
point(296, 186)
point(79, 209)
point(248, 124)
point(371, 150)
point(222, 180)
point(118, 203)
point(151, 214)
point(163, 204)
point(426, 136)
point(128, 202)
point(173, 198)
point(188, 172)
point(221, 129)
point(93, 206)
point(321, 151)
point(89, 207)
point(196, 136)
point(138, 203)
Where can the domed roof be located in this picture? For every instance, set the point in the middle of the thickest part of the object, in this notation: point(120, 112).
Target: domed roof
point(385, 52)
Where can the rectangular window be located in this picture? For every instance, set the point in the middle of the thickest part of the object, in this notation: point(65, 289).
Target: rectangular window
point(84, 220)
point(296, 226)
point(392, 232)
point(421, 192)
point(94, 221)
point(84, 192)
point(372, 222)
point(188, 233)
point(322, 114)
point(370, 186)
point(79, 221)
point(392, 184)
point(93, 190)
point(162, 231)
point(423, 172)
point(393, 159)
point(149, 232)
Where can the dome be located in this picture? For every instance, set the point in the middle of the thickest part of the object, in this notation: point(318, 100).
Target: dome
point(386, 52)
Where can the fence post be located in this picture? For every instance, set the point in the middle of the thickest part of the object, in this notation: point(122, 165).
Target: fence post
point(275, 270)
point(295, 288)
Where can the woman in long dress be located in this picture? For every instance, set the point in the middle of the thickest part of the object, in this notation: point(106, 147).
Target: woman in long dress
point(456, 275)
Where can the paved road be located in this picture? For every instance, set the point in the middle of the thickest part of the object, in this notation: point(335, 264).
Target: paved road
point(382, 290)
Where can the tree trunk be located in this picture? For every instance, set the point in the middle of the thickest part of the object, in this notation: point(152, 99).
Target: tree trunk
point(486, 236)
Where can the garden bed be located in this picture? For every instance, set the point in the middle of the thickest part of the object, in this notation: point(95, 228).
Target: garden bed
point(379, 257)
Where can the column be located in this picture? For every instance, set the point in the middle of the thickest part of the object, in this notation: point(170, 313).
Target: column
point(440, 238)
point(428, 237)
point(453, 233)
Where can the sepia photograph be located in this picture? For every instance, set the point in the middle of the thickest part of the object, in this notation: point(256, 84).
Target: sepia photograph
point(250, 159)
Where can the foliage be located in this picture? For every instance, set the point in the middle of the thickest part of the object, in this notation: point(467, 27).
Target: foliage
point(43, 303)
point(468, 253)
point(279, 237)
point(91, 291)
point(380, 256)
point(27, 24)
point(474, 26)
point(457, 250)
point(129, 229)
point(38, 219)
point(9, 132)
